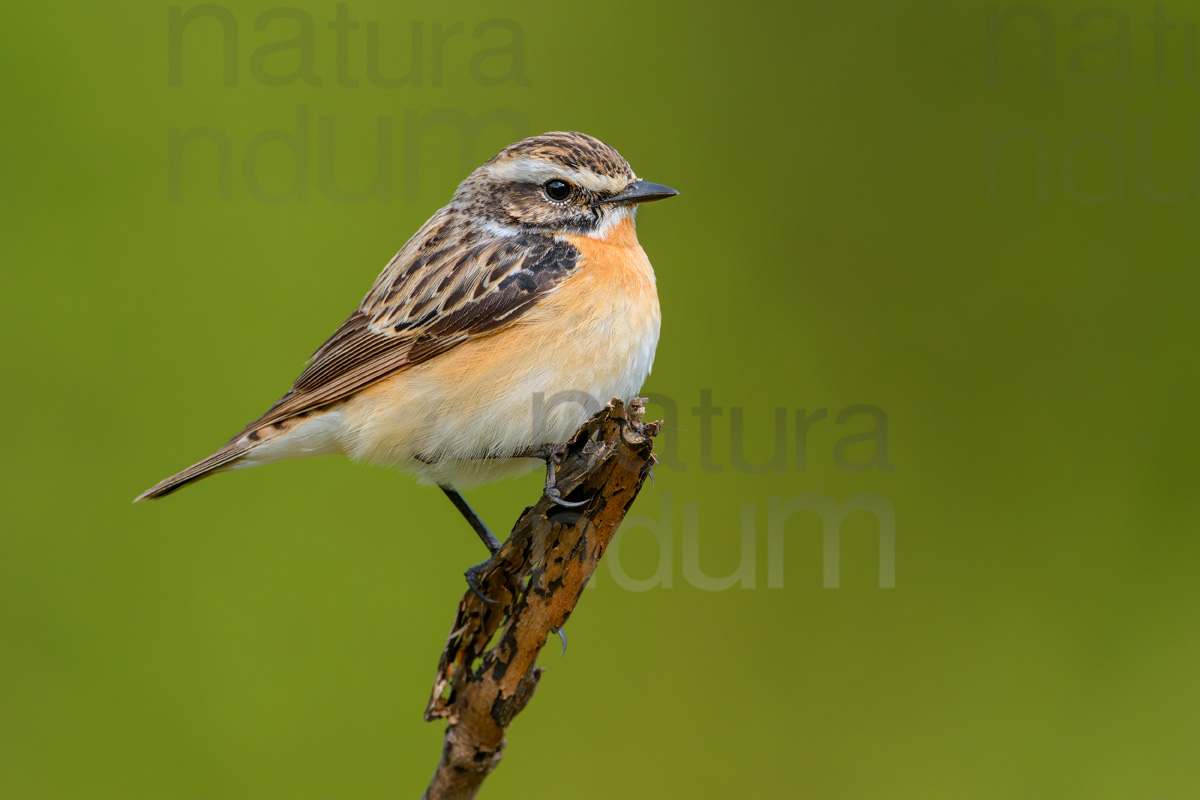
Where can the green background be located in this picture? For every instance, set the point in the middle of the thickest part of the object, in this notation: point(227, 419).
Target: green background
point(274, 633)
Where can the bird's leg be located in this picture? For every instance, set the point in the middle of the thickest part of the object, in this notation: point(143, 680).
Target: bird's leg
point(552, 454)
point(481, 530)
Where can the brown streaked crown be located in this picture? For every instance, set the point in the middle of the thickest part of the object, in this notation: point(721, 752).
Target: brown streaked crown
point(573, 150)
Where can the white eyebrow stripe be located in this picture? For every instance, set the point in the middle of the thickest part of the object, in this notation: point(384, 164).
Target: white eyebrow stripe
point(535, 170)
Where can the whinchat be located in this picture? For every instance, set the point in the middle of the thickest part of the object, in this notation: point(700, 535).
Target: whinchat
point(513, 315)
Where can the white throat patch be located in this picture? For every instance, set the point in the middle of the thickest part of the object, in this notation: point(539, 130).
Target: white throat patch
point(613, 216)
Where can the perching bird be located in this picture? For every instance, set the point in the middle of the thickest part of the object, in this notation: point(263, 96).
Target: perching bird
point(514, 314)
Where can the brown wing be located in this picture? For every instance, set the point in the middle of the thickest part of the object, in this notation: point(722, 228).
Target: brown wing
point(430, 298)
point(425, 302)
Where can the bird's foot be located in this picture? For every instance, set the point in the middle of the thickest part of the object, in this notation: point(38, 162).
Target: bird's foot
point(553, 454)
point(473, 575)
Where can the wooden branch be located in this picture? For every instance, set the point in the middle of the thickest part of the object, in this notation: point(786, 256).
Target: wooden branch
point(487, 671)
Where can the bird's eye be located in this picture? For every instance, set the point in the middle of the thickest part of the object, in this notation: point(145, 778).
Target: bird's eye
point(557, 190)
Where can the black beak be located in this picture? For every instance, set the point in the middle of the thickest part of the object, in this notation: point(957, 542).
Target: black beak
point(639, 192)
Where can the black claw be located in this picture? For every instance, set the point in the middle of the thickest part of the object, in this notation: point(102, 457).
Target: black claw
point(470, 576)
point(557, 498)
point(479, 594)
point(561, 635)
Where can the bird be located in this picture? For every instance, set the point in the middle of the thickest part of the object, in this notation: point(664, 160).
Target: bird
point(515, 313)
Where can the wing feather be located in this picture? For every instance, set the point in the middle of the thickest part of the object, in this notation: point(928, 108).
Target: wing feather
point(428, 300)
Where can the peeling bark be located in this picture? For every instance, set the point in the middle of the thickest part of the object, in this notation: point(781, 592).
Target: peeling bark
point(487, 672)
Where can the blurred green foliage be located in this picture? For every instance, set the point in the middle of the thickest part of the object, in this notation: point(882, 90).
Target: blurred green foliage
point(958, 219)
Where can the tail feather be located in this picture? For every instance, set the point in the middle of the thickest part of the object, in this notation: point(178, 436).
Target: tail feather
point(201, 469)
point(320, 442)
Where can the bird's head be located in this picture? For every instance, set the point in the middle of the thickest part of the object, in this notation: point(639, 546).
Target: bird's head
point(556, 183)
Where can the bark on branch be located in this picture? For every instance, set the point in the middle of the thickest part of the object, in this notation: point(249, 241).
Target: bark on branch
point(487, 671)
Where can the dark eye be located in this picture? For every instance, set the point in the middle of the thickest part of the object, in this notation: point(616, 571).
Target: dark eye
point(557, 190)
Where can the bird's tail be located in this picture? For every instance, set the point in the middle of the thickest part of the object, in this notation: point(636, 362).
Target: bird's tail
point(236, 454)
point(219, 460)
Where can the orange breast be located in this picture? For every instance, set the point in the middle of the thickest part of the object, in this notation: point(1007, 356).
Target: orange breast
point(616, 266)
